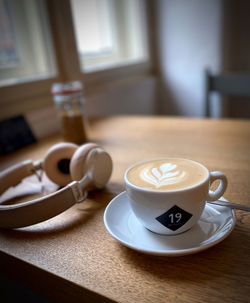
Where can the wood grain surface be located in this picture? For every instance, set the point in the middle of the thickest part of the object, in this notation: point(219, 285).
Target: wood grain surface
point(72, 257)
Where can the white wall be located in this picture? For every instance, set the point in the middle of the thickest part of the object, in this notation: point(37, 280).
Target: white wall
point(135, 96)
point(189, 40)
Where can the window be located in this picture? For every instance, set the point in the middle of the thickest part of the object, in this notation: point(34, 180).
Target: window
point(46, 41)
point(25, 42)
point(109, 32)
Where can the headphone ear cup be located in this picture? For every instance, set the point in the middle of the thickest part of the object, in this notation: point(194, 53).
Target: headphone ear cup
point(57, 162)
point(78, 167)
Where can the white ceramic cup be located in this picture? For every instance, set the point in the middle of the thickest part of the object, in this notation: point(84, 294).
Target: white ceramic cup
point(170, 212)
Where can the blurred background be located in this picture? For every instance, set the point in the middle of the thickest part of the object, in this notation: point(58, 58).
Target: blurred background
point(134, 57)
point(139, 57)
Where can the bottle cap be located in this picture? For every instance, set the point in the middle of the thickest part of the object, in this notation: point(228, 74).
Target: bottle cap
point(66, 88)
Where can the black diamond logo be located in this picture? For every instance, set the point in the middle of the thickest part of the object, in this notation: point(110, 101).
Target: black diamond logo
point(174, 218)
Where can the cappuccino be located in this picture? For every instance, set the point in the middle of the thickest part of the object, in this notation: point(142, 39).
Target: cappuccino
point(167, 174)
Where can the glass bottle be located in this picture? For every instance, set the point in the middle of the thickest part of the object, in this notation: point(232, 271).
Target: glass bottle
point(70, 104)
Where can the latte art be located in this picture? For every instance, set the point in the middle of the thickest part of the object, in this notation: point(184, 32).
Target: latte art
point(167, 173)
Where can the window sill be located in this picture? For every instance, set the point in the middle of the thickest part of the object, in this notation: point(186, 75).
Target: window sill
point(114, 65)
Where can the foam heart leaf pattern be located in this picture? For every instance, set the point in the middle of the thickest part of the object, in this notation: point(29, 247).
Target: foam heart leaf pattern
point(167, 173)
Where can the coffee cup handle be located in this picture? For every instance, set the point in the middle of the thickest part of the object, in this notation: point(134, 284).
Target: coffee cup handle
point(215, 195)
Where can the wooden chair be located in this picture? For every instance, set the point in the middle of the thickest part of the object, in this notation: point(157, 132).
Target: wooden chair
point(230, 85)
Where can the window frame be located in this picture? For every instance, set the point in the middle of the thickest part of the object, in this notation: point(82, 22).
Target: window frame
point(23, 97)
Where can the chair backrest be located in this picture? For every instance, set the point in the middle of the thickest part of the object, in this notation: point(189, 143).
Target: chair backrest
point(235, 84)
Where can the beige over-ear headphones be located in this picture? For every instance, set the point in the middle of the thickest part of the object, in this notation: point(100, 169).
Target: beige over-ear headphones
point(78, 169)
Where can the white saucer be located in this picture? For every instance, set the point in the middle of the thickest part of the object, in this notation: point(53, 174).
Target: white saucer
point(215, 224)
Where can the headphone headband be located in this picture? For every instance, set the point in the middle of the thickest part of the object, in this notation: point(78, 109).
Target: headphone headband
point(41, 209)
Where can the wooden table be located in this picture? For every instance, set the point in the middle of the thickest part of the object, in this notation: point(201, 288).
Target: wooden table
point(72, 257)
